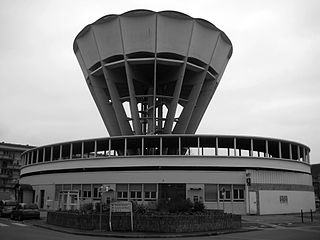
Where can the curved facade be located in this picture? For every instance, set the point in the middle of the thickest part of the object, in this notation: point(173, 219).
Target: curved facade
point(276, 173)
point(152, 76)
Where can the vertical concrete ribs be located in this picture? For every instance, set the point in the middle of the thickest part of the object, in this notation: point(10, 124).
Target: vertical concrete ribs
point(152, 72)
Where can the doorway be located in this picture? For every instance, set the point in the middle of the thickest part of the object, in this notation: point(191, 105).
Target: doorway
point(41, 199)
point(172, 191)
point(253, 209)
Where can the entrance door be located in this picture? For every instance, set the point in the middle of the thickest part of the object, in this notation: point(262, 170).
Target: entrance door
point(172, 191)
point(41, 199)
point(253, 203)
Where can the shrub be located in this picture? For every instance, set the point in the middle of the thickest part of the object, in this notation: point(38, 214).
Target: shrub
point(86, 208)
point(198, 207)
point(139, 208)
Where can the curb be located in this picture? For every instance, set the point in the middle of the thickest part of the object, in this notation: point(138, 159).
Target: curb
point(144, 235)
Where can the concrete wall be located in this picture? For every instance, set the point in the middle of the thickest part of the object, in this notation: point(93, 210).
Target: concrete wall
point(201, 177)
point(270, 201)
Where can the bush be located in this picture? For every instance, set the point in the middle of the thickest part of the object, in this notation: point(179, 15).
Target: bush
point(139, 208)
point(198, 207)
point(86, 208)
point(175, 206)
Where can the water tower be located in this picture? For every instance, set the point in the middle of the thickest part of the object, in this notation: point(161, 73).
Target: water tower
point(152, 72)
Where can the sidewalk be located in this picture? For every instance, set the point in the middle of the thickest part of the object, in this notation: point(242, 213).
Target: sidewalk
point(281, 220)
point(249, 223)
point(42, 223)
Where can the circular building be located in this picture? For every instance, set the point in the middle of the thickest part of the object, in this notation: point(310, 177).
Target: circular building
point(152, 76)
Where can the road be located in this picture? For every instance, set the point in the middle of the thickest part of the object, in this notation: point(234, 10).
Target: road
point(13, 230)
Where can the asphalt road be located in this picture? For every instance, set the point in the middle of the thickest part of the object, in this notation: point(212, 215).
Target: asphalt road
point(13, 230)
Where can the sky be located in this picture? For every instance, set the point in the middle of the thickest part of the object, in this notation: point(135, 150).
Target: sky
point(270, 88)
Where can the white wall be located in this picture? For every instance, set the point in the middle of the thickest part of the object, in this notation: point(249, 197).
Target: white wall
point(297, 200)
point(138, 177)
point(280, 177)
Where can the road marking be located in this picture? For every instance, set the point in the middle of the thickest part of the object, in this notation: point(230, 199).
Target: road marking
point(3, 225)
point(20, 224)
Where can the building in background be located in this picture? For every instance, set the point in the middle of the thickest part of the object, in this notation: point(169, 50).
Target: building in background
point(152, 76)
point(10, 163)
point(315, 171)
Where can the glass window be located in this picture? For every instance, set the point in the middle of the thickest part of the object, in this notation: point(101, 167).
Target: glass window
point(238, 193)
point(150, 192)
point(57, 191)
point(122, 191)
point(135, 192)
point(86, 190)
point(210, 193)
point(225, 192)
point(96, 193)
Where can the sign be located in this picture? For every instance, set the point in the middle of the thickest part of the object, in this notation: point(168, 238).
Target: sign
point(283, 199)
point(121, 207)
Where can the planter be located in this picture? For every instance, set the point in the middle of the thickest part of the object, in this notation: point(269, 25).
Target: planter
point(167, 223)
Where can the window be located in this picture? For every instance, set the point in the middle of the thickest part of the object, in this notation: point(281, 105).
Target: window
point(86, 190)
point(77, 187)
point(66, 186)
point(150, 192)
point(135, 192)
point(210, 193)
point(122, 191)
point(57, 192)
point(225, 192)
point(238, 193)
point(96, 192)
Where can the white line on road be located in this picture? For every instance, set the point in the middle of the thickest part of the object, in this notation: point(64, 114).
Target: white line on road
point(20, 224)
point(3, 225)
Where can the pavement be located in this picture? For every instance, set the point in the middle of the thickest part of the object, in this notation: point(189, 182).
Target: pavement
point(249, 223)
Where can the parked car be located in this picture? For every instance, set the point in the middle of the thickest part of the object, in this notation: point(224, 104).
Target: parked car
point(25, 211)
point(6, 207)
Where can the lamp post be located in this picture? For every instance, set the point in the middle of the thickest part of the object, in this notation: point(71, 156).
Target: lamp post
point(223, 190)
point(102, 189)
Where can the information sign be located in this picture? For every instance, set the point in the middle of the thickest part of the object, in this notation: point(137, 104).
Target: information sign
point(121, 207)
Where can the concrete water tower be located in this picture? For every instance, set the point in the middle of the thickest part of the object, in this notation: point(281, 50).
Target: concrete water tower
point(152, 72)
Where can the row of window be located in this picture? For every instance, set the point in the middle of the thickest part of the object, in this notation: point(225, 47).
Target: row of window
point(227, 192)
point(124, 192)
point(149, 192)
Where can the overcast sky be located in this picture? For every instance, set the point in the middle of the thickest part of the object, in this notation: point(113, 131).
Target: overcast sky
point(271, 86)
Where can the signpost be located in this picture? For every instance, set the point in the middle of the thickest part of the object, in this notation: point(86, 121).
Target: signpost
point(103, 189)
point(223, 190)
point(121, 206)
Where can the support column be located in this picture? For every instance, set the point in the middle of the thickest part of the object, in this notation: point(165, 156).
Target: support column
point(60, 154)
point(179, 151)
point(82, 149)
point(217, 146)
point(95, 148)
point(298, 151)
point(51, 154)
point(235, 146)
point(198, 143)
point(160, 146)
point(71, 149)
point(44, 154)
point(125, 146)
point(280, 151)
point(142, 146)
point(251, 147)
point(109, 143)
point(266, 154)
point(37, 160)
point(290, 151)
